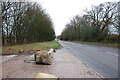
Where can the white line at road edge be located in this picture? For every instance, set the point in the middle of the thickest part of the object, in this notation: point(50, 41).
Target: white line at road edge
point(98, 74)
point(112, 53)
point(86, 64)
point(94, 70)
point(11, 56)
point(89, 66)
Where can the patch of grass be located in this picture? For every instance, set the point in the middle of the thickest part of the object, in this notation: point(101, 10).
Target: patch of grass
point(30, 47)
point(114, 45)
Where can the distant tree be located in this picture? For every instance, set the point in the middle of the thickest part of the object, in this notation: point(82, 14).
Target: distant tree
point(95, 25)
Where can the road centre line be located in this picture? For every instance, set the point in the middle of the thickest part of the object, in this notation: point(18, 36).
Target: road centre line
point(112, 53)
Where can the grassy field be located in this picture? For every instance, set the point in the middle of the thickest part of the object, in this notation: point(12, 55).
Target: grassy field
point(30, 47)
point(114, 45)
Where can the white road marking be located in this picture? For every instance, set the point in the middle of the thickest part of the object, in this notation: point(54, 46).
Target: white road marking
point(97, 73)
point(8, 57)
point(112, 53)
point(107, 52)
point(11, 56)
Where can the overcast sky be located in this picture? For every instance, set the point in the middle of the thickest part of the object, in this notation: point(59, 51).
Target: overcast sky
point(61, 11)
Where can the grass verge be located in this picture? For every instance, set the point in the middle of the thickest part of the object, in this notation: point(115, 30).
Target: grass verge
point(30, 47)
point(114, 45)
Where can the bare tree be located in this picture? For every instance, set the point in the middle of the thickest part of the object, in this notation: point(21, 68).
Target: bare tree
point(25, 22)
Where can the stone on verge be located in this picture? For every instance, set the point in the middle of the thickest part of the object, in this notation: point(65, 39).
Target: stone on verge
point(44, 57)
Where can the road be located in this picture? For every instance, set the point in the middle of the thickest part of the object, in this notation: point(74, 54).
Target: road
point(103, 60)
point(23, 66)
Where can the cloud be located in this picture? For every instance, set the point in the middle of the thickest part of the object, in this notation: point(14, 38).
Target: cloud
point(62, 10)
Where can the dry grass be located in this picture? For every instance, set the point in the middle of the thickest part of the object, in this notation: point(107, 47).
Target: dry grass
point(30, 47)
point(114, 45)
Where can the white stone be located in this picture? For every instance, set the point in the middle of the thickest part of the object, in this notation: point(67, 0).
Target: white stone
point(44, 57)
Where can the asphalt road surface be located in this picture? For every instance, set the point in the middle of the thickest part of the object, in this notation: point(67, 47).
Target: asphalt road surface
point(103, 60)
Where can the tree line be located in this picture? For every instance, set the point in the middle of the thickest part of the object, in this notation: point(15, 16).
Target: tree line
point(100, 23)
point(25, 22)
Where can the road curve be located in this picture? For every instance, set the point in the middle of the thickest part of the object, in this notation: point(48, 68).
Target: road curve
point(104, 60)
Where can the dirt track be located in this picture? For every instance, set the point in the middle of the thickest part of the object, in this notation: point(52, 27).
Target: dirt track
point(65, 65)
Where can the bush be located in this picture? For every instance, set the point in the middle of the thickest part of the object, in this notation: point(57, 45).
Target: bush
point(90, 34)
